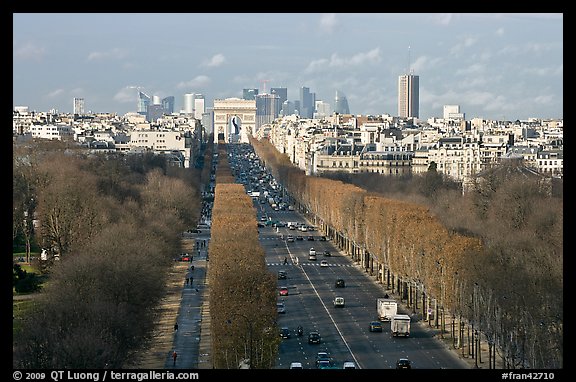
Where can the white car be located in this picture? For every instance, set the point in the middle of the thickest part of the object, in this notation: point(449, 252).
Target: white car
point(323, 263)
point(296, 365)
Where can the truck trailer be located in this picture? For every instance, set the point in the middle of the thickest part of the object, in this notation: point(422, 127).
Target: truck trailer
point(386, 308)
point(400, 325)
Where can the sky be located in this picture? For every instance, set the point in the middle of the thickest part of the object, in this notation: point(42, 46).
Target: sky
point(495, 66)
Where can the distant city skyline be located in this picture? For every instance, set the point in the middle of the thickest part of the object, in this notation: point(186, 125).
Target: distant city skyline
point(494, 66)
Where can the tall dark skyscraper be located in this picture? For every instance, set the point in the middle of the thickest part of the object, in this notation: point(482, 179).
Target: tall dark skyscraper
point(307, 101)
point(168, 104)
point(249, 94)
point(282, 94)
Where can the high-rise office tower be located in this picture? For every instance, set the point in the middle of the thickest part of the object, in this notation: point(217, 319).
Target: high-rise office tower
point(143, 102)
point(168, 104)
point(307, 101)
point(78, 106)
point(282, 94)
point(199, 107)
point(266, 107)
point(408, 98)
point(188, 103)
point(249, 94)
point(341, 103)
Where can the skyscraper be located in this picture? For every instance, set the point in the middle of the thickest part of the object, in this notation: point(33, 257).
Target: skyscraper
point(341, 103)
point(307, 101)
point(282, 94)
point(266, 108)
point(408, 98)
point(168, 104)
point(188, 103)
point(78, 106)
point(143, 102)
point(249, 93)
point(199, 107)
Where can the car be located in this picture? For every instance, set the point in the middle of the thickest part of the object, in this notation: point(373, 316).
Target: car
point(185, 257)
point(283, 291)
point(322, 238)
point(327, 253)
point(348, 365)
point(285, 332)
point(310, 238)
point(375, 326)
point(338, 302)
point(290, 238)
point(282, 275)
point(322, 356)
point(323, 263)
point(314, 337)
point(340, 283)
point(296, 365)
point(280, 307)
point(324, 364)
point(299, 237)
point(403, 363)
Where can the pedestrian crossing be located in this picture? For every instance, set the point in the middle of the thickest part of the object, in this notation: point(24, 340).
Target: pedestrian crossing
point(311, 264)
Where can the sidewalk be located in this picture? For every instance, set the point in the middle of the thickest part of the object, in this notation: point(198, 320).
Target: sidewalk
point(188, 306)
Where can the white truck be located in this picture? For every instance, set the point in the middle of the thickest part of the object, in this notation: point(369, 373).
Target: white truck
point(386, 308)
point(400, 325)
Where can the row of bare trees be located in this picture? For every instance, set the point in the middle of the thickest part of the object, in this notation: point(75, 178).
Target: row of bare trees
point(114, 222)
point(242, 290)
point(492, 257)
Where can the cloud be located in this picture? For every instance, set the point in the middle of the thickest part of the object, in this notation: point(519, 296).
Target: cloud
point(126, 95)
point(197, 82)
point(215, 61)
point(466, 42)
point(328, 22)
point(335, 61)
point(113, 54)
point(544, 72)
point(475, 68)
point(29, 51)
point(443, 18)
point(56, 93)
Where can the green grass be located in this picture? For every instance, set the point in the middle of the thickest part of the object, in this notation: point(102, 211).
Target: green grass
point(20, 309)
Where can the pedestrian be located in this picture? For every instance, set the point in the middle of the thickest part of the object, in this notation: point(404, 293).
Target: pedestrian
point(285, 260)
point(174, 356)
point(176, 327)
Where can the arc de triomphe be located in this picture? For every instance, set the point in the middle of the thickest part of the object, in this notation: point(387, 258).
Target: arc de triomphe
point(234, 119)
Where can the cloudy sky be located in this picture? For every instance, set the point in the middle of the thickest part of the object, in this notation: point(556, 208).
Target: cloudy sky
point(495, 66)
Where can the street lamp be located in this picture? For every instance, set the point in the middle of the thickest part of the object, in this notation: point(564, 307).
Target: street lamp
point(250, 344)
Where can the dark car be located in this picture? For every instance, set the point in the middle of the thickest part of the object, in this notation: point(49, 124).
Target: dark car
point(314, 338)
point(280, 308)
point(403, 363)
point(323, 357)
point(282, 275)
point(285, 332)
point(375, 326)
point(340, 283)
point(327, 253)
